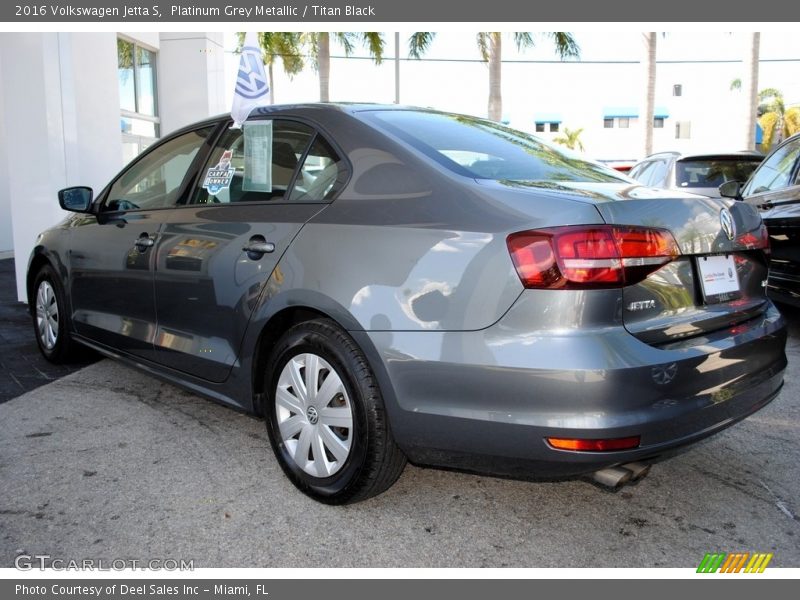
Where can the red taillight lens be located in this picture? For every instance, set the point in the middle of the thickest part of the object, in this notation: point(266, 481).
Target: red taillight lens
point(625, 443)
point(589, 256)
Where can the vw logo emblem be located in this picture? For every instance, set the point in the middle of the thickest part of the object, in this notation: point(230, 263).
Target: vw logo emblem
point(728, 225)
point(313, 415)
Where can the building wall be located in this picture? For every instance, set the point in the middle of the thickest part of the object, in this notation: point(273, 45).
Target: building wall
point(191, 67)
point(60, 117)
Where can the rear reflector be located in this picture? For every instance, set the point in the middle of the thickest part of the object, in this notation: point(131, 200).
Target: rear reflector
point(625, 443)
point(589, 256)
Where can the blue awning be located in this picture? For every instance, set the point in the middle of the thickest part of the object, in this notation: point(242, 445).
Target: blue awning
point(631, 112)
point(540, 118)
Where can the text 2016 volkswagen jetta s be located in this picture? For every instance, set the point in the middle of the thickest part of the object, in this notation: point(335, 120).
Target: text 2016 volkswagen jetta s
point(389, 284)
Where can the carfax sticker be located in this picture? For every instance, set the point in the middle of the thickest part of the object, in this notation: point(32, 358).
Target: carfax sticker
point(220, 176)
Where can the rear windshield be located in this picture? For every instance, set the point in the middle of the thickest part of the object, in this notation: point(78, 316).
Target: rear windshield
point(487, 150)
point(713, 173)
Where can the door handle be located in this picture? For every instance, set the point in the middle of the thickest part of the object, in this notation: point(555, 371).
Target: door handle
point(257, 248)
point(144, 241)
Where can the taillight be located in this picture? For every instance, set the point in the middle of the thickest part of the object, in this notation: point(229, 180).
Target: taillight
point(589, 256)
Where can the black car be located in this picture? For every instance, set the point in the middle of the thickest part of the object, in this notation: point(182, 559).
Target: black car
point(775, 189)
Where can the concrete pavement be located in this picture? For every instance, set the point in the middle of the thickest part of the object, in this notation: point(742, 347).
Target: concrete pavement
point(110, 463)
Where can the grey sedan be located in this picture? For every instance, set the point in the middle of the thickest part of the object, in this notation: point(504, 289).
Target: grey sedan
point(386, 284)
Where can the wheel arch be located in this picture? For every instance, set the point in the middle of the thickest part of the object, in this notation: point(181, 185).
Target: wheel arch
point(271, 329)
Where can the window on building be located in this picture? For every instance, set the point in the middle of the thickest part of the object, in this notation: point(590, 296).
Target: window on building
point(658, 122)
point(138, 92)
point(553, 127)
point(623, 122)
point(539, 127)
point(683, 130)
point(677, 90)
point(608, 123)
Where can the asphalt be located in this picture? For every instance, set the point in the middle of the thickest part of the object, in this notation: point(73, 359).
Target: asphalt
point(109, 463)
point(22, 367)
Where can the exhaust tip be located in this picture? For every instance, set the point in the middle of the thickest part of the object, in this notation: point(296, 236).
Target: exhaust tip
point(638, 470)
point(612, 478)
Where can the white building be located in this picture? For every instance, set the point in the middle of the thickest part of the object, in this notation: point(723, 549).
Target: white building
point(75, 107)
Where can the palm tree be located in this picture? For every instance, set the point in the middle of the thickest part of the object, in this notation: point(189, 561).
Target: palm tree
point(275, 44)
point(570, 138)
point(490, 45)
point(319, 44)
point(649, 64)
point(750, 85)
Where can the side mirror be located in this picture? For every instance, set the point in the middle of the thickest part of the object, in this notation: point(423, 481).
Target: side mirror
point(731, 189)
point(76, 199)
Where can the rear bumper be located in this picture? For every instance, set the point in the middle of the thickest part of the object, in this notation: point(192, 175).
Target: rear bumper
point(487, 400)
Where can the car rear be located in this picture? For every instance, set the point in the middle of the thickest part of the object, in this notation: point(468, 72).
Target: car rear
point(637, 330)
point(631, 339)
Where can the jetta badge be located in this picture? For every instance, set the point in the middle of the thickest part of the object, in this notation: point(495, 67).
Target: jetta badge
point(728, 224)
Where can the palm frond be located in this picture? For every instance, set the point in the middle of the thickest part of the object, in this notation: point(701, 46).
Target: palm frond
point(375, 43)
point(565, 44)
point(419, 43)
point(483, 44)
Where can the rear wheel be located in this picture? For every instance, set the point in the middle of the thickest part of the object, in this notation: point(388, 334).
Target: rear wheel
point(325, 416)
point(50, 319)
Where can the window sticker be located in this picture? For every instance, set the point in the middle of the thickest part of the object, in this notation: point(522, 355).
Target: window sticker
point(257, 156)
point(219, 177)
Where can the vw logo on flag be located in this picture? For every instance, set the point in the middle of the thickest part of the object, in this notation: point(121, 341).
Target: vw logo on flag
point(252, 85)
point(251, 82)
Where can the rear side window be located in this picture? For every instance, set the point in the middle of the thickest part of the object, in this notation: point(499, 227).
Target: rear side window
point(258, 166)
point(487, 150)
point(713, 173)
point(776, 171)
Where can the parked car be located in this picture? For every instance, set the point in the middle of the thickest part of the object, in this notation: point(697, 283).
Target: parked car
point(774, 188)
point(386, 284)
point(696, 173)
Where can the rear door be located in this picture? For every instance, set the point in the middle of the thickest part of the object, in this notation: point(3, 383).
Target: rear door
point(216, 253)
point(719, 278)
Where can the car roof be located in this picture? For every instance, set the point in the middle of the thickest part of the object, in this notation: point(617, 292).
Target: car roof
point(706, 155)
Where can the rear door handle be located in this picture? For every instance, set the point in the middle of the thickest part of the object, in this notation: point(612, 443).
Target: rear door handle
point(256, 248)
point(144, 241)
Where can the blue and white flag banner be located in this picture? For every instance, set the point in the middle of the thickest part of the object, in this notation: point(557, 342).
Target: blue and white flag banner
point(252, 86)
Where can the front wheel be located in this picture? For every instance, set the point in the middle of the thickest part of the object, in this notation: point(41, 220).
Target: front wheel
point(50, 319)
point(325, 416)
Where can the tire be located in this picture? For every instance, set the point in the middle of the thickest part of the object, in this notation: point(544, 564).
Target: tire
point(335, 444)
point(51, 324)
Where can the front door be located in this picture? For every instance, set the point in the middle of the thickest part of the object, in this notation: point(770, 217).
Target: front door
point(112, 256)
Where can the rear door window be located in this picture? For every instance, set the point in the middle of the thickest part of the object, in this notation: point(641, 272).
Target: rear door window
point(257, 166)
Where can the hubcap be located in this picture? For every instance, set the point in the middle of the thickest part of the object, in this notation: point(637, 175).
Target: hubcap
point(47, 315)
point(315, 417)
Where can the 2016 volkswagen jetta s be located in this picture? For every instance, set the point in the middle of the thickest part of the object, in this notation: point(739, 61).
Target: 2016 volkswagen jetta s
point(389, 284)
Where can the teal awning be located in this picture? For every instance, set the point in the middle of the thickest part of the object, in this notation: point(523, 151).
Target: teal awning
point(631, 112)
point(541, 118)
